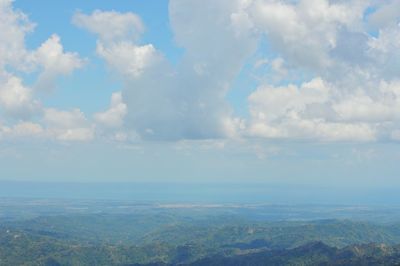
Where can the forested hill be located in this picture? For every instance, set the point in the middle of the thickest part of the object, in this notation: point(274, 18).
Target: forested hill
point(286, 243)
point(17, 248)
point(314, 253)
point(47, 233)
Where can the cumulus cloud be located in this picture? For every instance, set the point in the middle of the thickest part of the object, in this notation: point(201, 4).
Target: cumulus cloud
point(331, 38)
point(354, 92)
point(24, 130)
point(14, 25)
point(348, 88)
point(187, 101)
point(55, 125)
point(21, 130)
point(114, 116)
point(128, 59)
point(305, 31)
point(68, 125)
point(54, 61)
point(326, 75)
point(111, 26)
point(16, 100)
point(320, 110)
point(386, 15)
point(19, 106)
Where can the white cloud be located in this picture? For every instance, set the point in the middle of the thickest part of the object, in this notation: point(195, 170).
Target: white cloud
point(278, 66)
point(128, 59)
point(64, 119)
point(319, 110)
point(348, 89)
point(324, 39)
point(356, 95)
point(19, 105)
point(269, 103)
point(306, 112)
point(113, 117)
point(360, 107)
point(15, 99)
point(27, 129)
point(306, 32)
point(111, 26)
point(187, 101)
point(260, 63)
point(56, 125)
point(75, 134)
point(384, 51)
point(68, 125)
point(54, 61)
point(386, 15)
point(14, 25)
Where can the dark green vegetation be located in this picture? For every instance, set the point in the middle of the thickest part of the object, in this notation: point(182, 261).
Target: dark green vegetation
point(151, 234)
point(315, 253)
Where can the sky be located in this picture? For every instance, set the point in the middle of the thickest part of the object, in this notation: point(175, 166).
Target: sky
point(289, 92)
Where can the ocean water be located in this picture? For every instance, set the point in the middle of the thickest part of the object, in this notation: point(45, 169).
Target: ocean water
point(201, 192)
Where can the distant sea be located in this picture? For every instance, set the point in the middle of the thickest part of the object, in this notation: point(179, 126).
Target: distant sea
point(200, 192)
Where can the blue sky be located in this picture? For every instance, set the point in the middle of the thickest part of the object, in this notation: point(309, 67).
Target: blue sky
point(285, 92)
point(55, 17)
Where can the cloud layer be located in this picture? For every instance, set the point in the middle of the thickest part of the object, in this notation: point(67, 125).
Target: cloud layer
point(325, 71)
point(21, 112)
point(353, 90)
